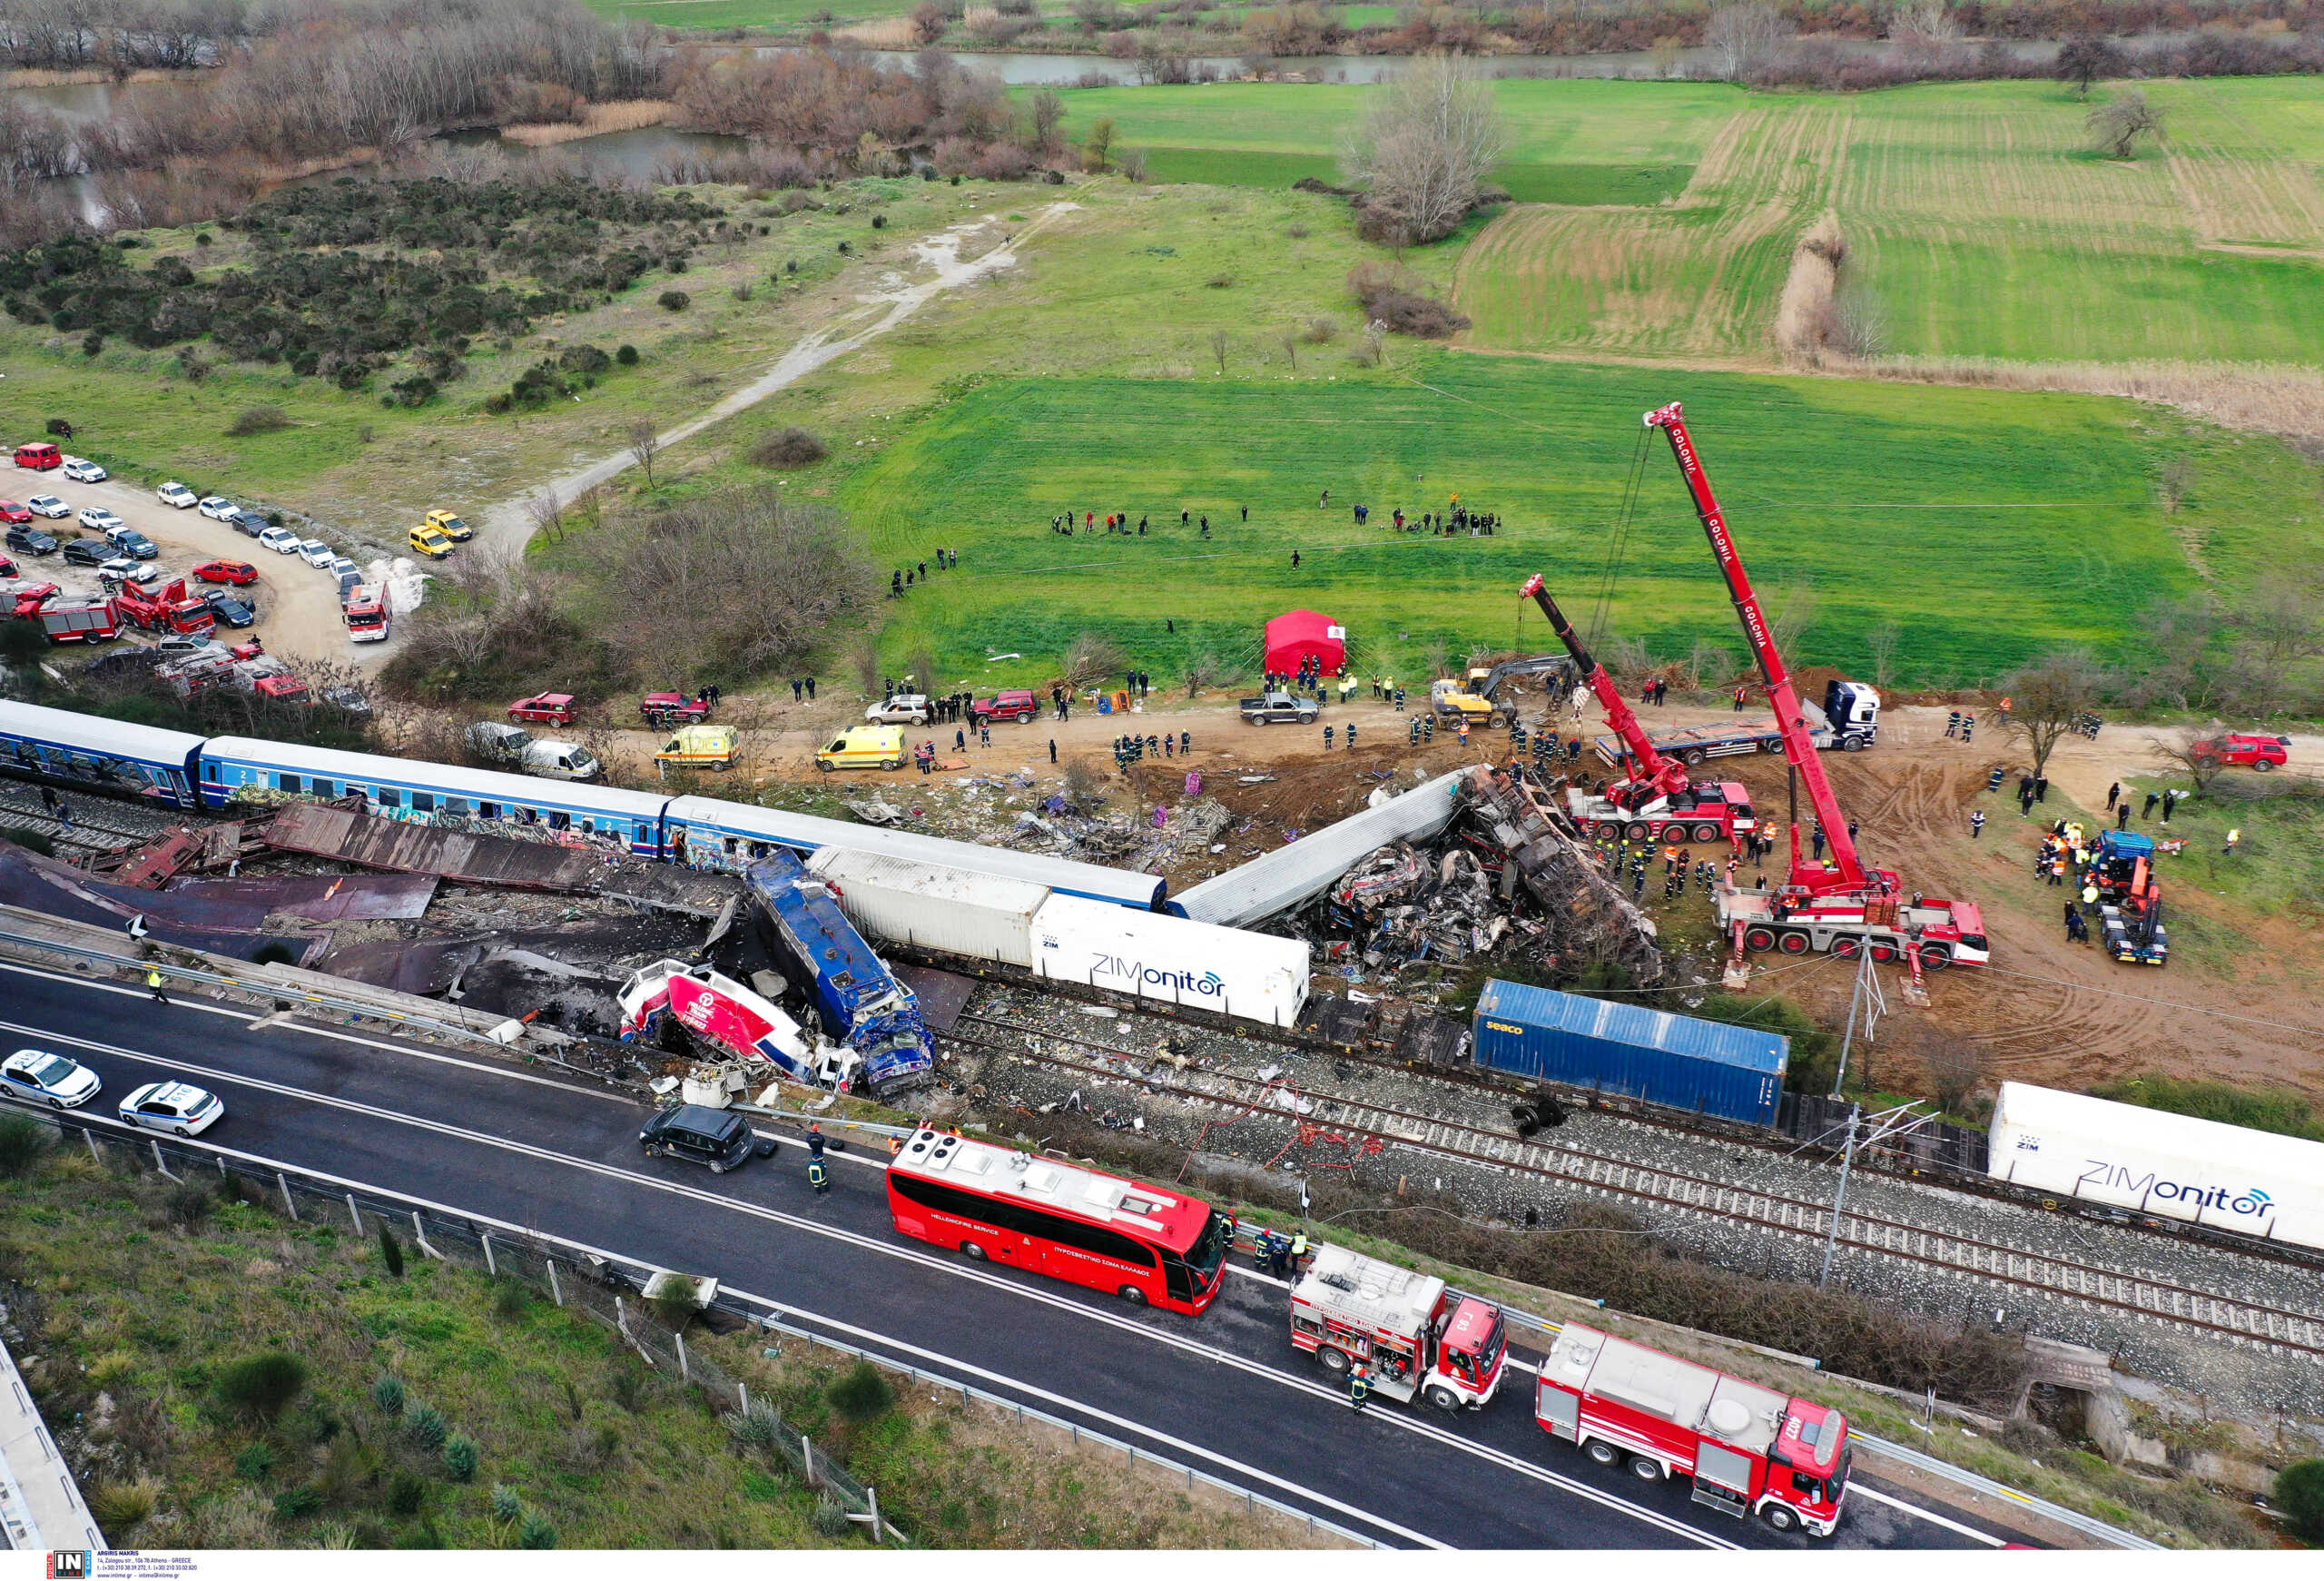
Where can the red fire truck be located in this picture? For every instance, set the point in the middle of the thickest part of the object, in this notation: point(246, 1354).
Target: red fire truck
point(168, 610)
point(1145, 1244)
point(1749, 1449)
point(1654, 799)
point(367, 615)
point(1412, 1336)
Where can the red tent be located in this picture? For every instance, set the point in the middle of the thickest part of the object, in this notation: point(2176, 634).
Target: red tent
point(1302, 635)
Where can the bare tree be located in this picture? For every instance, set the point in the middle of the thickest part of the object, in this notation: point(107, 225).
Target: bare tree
point(1882, 641)
point(2117, 124)
point(1425, 148)
point(1955, 1068)
point(645, 444)
point(2084, 60)
point(1203, 668)
point(922, 665)
point(2047, 698)
point(1743, 37)
point(1794, 612)
point(1289, 342)
point(2175, 481)
point(547, 513)
point(1093, 656)
point(1925, 25)
point(1097, 149)
point(1218, 343)
point(2177, 754)
point(2274, 631)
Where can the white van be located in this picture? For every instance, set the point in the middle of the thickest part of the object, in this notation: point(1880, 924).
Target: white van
point(512, 747)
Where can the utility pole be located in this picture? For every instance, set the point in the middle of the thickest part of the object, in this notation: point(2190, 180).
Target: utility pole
point(1839, 1197)
point(1866, 997)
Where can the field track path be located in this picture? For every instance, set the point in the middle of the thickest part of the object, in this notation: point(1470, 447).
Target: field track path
point(507, 526)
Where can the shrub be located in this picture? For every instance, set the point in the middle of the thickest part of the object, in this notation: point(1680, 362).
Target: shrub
point(879, 221)
point(92, 343)
point(758, 1428)
point(675, 1305)
point(510, 1298)
point(584, 359)
point(2300, 1494)
point(505, 1506)
point(405, 1494)
point(830, 1518)
point(537, 1533)
point(119, 1505)
point(426, 1425)
point(257, 420)
point(387, 1394)
point(293, 1502)
point(788, 448)
point(255, 1463)
point(188, 1205)
point(58, 429)
point(23, 1142)
point(460, 1458)
point(260, 1386)
point(675, 300)
point(863, 1394)
point(626, 356)
point(1396, 296)
point(391, 1251)
point(417, 390)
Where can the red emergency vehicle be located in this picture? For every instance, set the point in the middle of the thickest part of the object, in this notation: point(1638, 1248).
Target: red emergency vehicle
point(367, 615)
point(167, 610)
point(1751, 1451)
point(41, 455)
point(1413, 1336)
point(2258, 752)
point(1145, 1244)
point(543, 708)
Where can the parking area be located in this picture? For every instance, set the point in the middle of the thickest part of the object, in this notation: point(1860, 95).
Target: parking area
point(297, 604)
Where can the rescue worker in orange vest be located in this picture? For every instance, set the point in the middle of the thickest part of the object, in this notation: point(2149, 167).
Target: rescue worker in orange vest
point(1359, 1384)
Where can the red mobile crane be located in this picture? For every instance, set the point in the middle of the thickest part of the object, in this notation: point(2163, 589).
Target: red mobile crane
point(1835, 905)
point(1654, 800)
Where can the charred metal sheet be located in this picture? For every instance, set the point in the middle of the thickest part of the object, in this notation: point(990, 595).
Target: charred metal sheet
point(342, 897)
point(399, 847)
point(1428, 1038)
point(942, 994)
point(407, 965)
point(38, 885)
point(1344, 1022)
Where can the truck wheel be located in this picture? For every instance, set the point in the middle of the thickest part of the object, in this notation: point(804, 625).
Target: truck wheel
point(1333, 1359)
point(1771, 745)
point(1637, 832)
point(1759, 940)
point(822, 765)
point(1645, 1470)
point(1851, 744)
point(1602, 1453)
point(2261, 765)
point(1693, 757)
point(1936, 958)
point(1793, 942)
point(973, 1253)
point(1706, 833)
point(1883, 953)
point(1846, 948)
point(1443, 1398)
point(1781, 1516)
point(1133, 1295)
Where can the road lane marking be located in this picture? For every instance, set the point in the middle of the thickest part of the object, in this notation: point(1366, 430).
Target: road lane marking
point(1859, 1490)
point(901, 1253)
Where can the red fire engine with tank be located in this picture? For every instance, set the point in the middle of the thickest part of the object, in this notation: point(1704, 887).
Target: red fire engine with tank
point(1750, 1450)
point(1412, 1335)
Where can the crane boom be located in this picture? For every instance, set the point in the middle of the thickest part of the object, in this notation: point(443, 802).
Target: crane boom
point(1648, 767)
point(1846, 871)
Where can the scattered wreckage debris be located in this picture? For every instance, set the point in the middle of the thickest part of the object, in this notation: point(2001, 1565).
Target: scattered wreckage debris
point(36, 883)
point(1588, 920)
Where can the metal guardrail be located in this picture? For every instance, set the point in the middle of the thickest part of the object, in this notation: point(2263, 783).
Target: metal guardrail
point(917, 1374)
point(2074, 1520)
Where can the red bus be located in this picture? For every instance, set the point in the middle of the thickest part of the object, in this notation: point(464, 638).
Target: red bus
point(1146, 1245)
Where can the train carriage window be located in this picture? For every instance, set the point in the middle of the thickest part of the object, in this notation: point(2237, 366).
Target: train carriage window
point(528, 815)
point(286, 783)
point(389, 796)
point(487, 809)
point(423, 801)
point(589, 826)
point(323, 789)
point(458, 806)
point(759, 849)
point(557, 820)
point(730, 845)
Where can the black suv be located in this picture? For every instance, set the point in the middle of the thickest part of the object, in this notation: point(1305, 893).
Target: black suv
point(27, 540)
point(716, 1137)
point(88, 551)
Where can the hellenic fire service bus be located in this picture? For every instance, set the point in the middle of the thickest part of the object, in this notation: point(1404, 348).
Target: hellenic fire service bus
point(1146, 1245)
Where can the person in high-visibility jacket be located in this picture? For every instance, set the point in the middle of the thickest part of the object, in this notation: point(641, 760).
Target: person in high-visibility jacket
point(1359, 1384)
point(819, 1175)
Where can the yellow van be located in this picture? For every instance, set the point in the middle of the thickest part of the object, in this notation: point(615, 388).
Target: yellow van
point(431, 541)
point(864, 747)
point(699, 746)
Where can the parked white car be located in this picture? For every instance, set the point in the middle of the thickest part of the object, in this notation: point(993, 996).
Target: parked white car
point(172, 1106)
point(903, 708)
point(318, 554)
point(82, 472)
point(47, 505)
point(39, 1077)
point(97, 518)
point(218, 508)
point(177, 494)
point(144, 573)
point(280, 539)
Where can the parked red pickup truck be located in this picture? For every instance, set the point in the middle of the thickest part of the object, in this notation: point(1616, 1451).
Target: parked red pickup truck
point(543, 708)
point(2259, 753)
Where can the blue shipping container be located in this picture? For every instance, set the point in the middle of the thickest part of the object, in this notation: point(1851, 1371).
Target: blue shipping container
point(1705, 1067)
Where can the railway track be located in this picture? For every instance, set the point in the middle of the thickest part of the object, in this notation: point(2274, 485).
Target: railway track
point(2150, 1298)
point(80, 831)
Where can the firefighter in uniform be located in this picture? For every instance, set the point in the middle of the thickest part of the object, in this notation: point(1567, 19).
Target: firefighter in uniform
point(819, 1176)
point(1298, 1254)
point(1359, 1384)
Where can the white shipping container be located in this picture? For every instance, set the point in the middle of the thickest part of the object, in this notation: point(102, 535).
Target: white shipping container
point(934, 907)
point(2172, 1166)
point(1257, 976)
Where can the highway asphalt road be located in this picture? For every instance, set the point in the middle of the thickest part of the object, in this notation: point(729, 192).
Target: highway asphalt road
point(1225, 1391)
